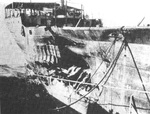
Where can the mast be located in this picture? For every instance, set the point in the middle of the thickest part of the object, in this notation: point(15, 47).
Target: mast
point(62, 3)
point(13, 5)
point(66, 14)
point(55, 12)
point(82, 12)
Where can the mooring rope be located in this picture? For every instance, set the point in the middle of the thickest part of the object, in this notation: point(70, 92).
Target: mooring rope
point(115, 62)
point(117, 57)
point(108, 50)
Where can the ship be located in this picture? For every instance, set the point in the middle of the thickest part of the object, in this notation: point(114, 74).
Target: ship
point(79, 64)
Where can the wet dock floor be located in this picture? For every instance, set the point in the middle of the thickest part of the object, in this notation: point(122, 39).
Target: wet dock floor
point(21, 97)
point(18, 96)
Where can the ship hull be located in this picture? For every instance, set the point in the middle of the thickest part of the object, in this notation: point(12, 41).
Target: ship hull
point(113, 98)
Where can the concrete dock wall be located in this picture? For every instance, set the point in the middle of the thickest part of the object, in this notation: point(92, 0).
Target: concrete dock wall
point(125, 81)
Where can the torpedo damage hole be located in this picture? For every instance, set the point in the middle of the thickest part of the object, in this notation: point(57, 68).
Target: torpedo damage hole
point(69, 59)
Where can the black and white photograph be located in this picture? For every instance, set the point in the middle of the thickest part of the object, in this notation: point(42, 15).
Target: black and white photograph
point(74, 57)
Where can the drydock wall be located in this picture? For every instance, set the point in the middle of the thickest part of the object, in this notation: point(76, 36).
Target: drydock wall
point(125, 81)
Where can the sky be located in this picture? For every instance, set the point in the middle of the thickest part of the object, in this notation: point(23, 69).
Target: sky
point(112, 12)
